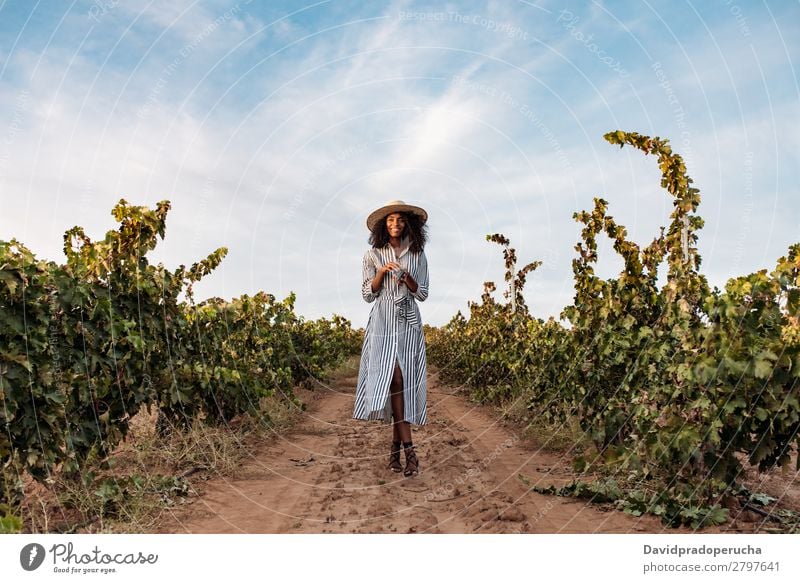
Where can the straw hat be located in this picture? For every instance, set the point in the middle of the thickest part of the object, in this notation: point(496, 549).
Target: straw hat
point(394, 206)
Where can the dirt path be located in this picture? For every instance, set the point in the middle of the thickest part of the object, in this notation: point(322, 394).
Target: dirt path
point(329, 474)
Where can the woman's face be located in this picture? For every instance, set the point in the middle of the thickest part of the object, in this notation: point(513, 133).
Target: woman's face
point(395, 223)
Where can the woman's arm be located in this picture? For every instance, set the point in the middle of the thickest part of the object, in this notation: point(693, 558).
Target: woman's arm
point(371, 279)
point(421, 291)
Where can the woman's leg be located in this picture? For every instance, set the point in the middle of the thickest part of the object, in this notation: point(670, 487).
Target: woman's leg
point(401, 429)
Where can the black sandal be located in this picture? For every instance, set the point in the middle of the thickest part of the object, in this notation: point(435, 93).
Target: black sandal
point(394, 458)
point(412, 463)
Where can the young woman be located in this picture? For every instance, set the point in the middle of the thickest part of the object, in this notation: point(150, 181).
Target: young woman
point(391, 377)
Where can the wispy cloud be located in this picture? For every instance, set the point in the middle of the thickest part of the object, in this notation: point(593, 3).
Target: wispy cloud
point(276, 129)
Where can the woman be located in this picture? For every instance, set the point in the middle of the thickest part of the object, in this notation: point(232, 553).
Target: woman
point(391, 377)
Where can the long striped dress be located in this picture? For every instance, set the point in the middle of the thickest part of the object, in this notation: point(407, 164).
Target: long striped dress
point(393, 333)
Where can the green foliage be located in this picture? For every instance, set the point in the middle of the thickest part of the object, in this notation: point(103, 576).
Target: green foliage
point(9, 522)
point(86, 345)
point(491, 345)
point(116, 319)
point(111, 495)
point(670, 383)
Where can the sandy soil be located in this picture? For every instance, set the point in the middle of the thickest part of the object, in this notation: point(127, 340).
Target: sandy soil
point(329, 474)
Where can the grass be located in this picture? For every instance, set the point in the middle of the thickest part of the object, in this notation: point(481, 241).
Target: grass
point(556, 438)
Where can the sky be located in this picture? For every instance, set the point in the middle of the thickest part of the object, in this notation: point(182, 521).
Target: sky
point(275, 128)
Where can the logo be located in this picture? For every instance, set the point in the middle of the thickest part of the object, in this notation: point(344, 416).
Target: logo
point(31, 556)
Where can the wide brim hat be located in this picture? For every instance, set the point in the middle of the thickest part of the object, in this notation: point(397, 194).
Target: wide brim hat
point(394, 206)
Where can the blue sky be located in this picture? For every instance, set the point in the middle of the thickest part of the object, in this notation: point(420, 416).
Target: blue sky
point(275, 128)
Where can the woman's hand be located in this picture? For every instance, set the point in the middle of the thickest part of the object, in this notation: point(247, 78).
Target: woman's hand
point(377, 281)
point(380, 273)
point(390, 266)
point(404, 279)
point(409, 281)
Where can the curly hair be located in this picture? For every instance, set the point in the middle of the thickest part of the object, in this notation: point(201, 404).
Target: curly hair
point(416, 230)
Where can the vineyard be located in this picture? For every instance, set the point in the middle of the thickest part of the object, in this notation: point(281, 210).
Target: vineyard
point(677, 387)
point(87, 345)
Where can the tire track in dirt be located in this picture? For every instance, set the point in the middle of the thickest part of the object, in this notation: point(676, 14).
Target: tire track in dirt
point(329, 474)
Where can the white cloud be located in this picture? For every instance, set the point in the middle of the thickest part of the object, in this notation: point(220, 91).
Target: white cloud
point(287, 165)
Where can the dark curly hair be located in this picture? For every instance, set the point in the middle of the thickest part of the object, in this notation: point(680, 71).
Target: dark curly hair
point(416, 230)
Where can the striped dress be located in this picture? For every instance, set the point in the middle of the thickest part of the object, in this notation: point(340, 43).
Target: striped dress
point(393, 332)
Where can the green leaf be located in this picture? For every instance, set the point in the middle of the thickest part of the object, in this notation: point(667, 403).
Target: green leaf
point(762, 498)
point(763, 368)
